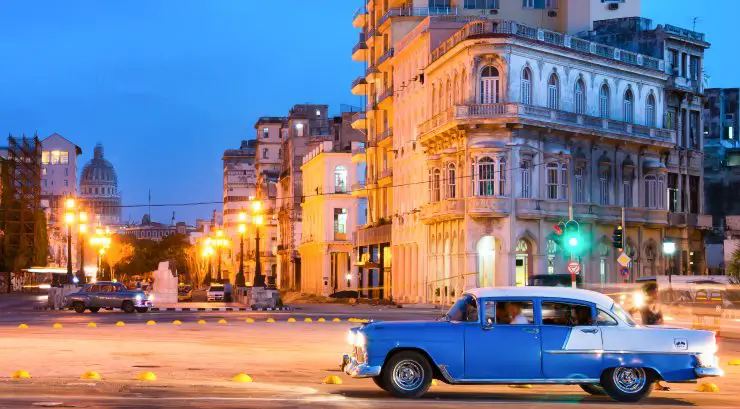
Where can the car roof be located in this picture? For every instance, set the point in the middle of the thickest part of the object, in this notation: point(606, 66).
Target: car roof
point(549, 292)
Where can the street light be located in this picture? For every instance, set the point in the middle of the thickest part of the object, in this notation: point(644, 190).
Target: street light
point(220, 242)
point(240, 279)
point(257, 220)
point(102, 241)
point(69, 219)
point(82, 231)
point(207, 254)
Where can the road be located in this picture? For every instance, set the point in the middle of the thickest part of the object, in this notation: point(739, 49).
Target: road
point(195, 362)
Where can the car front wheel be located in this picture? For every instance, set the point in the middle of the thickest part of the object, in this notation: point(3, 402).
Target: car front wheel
point(79, 307)
point(94, 309)
point(626, 384)
point(128, 307)
point(380, 383)
point(407, 374)
point(591, 389)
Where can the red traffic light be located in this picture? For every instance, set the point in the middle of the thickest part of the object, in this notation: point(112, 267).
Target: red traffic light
point(558, 229)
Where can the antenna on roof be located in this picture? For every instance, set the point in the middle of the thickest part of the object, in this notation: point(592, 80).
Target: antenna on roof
point(694, 20)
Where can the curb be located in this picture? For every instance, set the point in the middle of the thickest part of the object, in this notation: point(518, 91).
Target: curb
point(188, 309)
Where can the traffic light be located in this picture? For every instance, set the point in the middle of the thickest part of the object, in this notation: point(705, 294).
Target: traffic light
point(572, 240)
point(557, 235)
point(618, 238)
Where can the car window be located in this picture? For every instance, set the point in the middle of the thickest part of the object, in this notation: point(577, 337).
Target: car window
point(567, 314)
point(464, 310)
point(604, 319)
point(106, 288)
point(508, 312)
point(216, 288)
point(623, 315)
point(93, 289)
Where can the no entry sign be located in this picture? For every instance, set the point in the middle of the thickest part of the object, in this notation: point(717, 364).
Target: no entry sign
point(574, 267)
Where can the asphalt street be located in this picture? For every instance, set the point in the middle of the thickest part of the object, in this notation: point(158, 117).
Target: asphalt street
point(288, 361)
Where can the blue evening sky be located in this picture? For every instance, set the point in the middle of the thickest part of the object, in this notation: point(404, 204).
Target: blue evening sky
point(167, 85)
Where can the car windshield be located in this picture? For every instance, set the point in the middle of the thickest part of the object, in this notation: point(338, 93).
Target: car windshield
point(619, 311)
point(216, 288)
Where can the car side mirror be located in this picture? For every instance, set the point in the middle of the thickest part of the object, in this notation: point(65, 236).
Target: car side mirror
point(445, 318)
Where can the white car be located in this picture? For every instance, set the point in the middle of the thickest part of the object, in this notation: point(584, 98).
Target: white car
point(215, 293)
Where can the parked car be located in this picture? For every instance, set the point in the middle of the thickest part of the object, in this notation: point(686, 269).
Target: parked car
point(531, 335)
point(215, 293)
point(105, 294)
point(184, 293)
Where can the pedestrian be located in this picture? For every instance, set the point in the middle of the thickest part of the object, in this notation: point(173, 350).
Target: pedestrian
point(652, 314)
point(227, 291)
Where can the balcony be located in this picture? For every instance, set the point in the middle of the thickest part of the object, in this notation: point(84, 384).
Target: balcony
point(340, 236)
point(483, 207)
point(684, 84)
point(385, 174)
point(540, 117)
point(503, 28)
point(444, 210)
point(359, 189)
point(373, 235)
point(682, 32)
point(359, 86)
point(359, 51)
point(371, 73)
point(416, 12)
point(694, 221)
point(385, 138)
point(384, 60)
point(359, 18)
point(527, 208)
point(385, 99)
point(358, 121)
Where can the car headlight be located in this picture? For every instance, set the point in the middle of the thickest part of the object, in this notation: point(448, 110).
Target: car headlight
point(360, 340)
point(138, 297)
point(151, 297)
point(351, 337)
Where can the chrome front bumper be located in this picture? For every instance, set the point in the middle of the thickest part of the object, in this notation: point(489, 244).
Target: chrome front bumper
point(708, 372)
point(356, 370)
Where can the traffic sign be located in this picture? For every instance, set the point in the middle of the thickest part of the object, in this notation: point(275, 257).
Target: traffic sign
point(624, 260)
point(624, 271)
point(574, 267)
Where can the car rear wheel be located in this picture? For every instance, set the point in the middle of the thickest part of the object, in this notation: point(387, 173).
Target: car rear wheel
point(591, 389)
point(407, 374)
point(128, 307)
point(94, 309)
point(78, 307)
point(142, 310)
point(626, 384)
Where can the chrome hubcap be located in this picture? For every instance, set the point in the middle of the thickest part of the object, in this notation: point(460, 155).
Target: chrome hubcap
point(630, 380)
point(408, 375)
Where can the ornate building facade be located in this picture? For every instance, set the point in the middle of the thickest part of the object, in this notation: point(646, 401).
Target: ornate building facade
point(99, 193)
point(483, 133)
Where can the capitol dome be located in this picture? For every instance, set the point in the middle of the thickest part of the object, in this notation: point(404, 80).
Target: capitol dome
point(99, 189)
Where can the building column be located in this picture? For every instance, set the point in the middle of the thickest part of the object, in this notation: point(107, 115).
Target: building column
point(407, 273)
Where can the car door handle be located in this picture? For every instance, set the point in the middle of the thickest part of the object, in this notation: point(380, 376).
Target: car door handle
point(532, 330)
point(590, 330)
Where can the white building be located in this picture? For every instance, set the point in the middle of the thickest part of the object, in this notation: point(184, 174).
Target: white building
point(331, 213)
point(239, 188)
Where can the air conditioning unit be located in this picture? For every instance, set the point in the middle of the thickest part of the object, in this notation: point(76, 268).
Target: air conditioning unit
point(614, 6)
point(552, 13)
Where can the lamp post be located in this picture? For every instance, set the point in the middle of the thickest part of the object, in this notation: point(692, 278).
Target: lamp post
point(240, 279)
point(82, 216)
point(220, 242)
point(207, 253)
point(669, 249)
point(69, 219)
point(259, 279)
point(102, 241)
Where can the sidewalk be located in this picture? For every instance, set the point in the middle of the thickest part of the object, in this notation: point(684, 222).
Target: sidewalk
point(194, 307)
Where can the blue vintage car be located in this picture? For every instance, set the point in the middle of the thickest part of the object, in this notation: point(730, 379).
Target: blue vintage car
point(531, 335)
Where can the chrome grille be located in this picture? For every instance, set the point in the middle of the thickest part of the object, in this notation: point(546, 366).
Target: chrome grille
point(360, 354)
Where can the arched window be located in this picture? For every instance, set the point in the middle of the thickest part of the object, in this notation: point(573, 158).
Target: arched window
point(450, 94)
point(489, 81)
point(627, 191)
point(553, 174)
point(563, 186)
point(436, 180)
point(527, 87)
point(650, 111)
point(434, 100)
point(580, 97)
point(526, 179)
point(580, 185)
point(553, 92)
point(502, 176)
point(651, 190)
point(486, 176)
point(629, 110)
point(604, 101)
point(340, 179)
point(604, 176)
point(661, 192)
point(451, 181)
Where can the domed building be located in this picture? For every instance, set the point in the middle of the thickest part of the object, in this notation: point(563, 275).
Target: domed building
point(99, 190)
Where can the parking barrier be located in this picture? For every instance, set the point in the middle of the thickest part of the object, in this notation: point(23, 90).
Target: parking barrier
point(270, 320)
point(23, 326)
point(21, 374)
point(91, 376)
point(241, 378)
point(57, 325)
point(521, 386)
point(176, 322)
point(321, 320)
point(120, 324)
point(201, 322)
point(146, 376)
point(249, 320)
point(291, 319)
point(734, 362)
point(92, 325)
point(222, 321)
point(336, 320)
point(308, 320)
point(707, 387)
point(332, 380)
point(151, 322)
point(434, 382)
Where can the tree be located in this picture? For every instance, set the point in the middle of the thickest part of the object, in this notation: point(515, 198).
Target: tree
point(119, 252)
point(733, 268)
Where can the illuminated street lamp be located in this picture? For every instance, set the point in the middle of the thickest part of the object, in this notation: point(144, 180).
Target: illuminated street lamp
point(219, 242)
point(102, 241)
point(207, 254)
point(257, 220)
point(240, 279)
point(69, 219)
point(669, 249)
point(82, 225)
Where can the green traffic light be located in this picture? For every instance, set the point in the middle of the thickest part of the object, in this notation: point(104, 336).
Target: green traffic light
point(573, 241)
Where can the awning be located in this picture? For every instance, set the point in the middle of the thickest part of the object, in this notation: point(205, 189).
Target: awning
point(653, 164)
